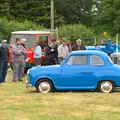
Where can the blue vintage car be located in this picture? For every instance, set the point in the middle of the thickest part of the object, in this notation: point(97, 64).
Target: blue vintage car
point(81, 70)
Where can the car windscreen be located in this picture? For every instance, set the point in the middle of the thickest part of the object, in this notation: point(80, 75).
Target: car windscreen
point(30, 39)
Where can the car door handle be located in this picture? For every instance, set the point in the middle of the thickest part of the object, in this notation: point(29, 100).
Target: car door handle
point(88, 70)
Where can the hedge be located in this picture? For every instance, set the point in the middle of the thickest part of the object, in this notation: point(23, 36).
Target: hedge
point(8, 26)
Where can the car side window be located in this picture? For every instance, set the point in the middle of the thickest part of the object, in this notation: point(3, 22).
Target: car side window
point(78, 60)
point(96, 60)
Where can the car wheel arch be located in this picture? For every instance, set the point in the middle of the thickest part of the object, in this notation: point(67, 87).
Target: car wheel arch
point(44, 79)
point(105, 80)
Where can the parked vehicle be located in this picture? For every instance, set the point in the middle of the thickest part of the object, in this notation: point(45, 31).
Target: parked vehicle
point(81, 70)
point(31, 37)
point(108, 48)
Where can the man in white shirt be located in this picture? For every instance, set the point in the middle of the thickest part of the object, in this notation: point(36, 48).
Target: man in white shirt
point(63, 51)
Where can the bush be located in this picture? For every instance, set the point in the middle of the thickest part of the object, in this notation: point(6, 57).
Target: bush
point(6, 27)
point(75, 31)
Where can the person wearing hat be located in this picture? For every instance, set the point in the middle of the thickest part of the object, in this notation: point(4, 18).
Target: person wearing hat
point(51, 52)
point(4, 57)
point(37, 54)
point(18, 58)
point(24, 42)
point(63, 50)
point(78, 46)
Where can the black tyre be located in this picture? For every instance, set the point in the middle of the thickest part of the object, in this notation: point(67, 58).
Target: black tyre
point(106, 87)
point(44, 86)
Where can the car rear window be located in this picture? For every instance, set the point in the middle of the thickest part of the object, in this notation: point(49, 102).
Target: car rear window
point(96, 60)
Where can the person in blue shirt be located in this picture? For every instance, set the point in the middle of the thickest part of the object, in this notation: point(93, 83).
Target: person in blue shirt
point(37, 54)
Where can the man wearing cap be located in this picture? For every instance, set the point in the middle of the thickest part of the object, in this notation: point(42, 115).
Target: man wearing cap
point(24, 42)
point(78, 46)
point(18, 58)
point(63, 51)
point(4, 57)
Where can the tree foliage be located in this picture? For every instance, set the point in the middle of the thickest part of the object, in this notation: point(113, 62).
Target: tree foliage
point(75, 11)
point(6, 27)
point(66, 11)
point(75, 31)
point(108, 17)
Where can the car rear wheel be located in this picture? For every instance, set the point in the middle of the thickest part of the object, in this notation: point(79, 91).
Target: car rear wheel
point(44, 86)
point(106, 87)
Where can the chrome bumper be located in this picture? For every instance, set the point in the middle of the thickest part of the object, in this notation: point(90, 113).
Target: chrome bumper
point(28, 84)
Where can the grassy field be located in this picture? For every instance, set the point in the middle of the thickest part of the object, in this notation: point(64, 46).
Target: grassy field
point(18, 103)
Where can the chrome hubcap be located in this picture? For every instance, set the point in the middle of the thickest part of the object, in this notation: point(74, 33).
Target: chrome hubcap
point(44, 87)
point(106, 86)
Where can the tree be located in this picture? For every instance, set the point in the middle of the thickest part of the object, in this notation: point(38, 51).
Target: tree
point(75, 11)
point(108, 17)
point(34, 10)
point(4, 7)
point(37, 11)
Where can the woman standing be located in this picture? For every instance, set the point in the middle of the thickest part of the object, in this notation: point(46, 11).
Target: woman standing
point(37, 54)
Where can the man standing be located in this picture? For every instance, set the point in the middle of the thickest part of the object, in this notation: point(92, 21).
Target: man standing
point(24, 44)
point(4, 57)
point(69, 45)
point(58, 43)
point(63, 51)
point(18, 60)
point(37, 54)
point(78, 46)
point(51, 52)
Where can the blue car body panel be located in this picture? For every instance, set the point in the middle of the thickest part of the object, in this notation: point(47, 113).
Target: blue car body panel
point(77, 77)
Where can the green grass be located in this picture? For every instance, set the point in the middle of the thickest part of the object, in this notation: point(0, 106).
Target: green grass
point(18, 103)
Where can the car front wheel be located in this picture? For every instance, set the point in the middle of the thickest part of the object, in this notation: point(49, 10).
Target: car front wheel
point(44, 86)
point(106, 87)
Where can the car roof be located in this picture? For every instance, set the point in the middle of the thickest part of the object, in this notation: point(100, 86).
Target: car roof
point(88, 52)
point(31, 32)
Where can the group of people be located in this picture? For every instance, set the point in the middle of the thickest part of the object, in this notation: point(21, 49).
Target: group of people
point(55, 52)
point(18, 59)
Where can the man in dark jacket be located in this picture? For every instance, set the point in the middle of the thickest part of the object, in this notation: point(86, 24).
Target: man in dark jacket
point(51, 53)
point(78, 46)
point(4, 57)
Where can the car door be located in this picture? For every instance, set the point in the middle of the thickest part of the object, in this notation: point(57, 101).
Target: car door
point(97, 65)
point(76, 73)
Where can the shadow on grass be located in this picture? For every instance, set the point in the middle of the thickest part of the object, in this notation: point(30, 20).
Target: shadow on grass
point(75, 91)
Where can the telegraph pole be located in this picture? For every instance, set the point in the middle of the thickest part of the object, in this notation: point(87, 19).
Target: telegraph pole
point(52, 16)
